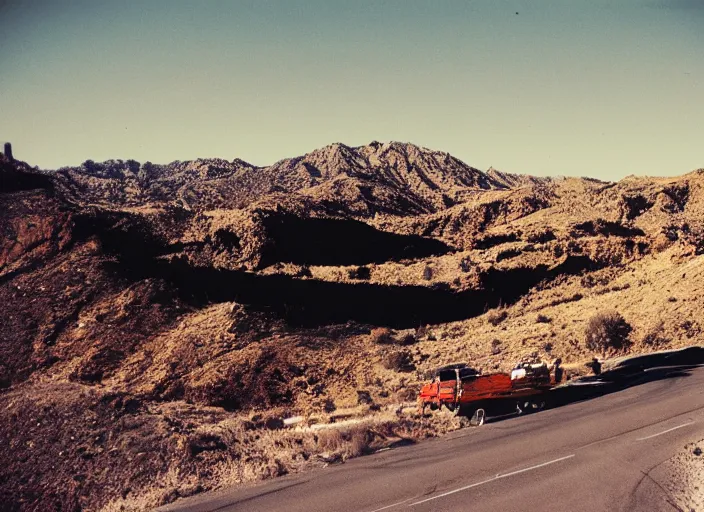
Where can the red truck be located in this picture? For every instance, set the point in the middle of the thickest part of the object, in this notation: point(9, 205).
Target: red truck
point(466, 392)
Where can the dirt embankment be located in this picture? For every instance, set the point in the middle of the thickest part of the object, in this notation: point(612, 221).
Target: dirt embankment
point(161, 321)
point(686, 477)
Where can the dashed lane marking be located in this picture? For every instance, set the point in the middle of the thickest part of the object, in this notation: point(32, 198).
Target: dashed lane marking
point(664, 431)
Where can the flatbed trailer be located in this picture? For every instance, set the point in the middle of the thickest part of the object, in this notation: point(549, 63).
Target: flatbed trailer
point(465, 392)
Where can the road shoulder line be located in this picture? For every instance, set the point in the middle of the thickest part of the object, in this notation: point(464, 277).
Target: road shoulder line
point(497, 477)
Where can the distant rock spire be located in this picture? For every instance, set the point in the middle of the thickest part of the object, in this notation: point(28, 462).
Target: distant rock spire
point(8, 151)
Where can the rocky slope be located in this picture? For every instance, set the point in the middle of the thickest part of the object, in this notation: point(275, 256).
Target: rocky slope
point(397, 178)
point(160, 320)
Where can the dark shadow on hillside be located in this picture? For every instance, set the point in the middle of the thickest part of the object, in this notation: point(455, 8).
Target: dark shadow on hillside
point(312, 241)
point(14, 180)
point(140, 254)
point(310, 303)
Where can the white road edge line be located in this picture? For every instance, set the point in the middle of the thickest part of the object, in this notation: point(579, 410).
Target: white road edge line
point(497, 477)
point(393, 505)
point(664, 431)
point(679, 366)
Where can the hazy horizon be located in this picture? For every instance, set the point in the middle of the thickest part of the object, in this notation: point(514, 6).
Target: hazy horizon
point(552, 88)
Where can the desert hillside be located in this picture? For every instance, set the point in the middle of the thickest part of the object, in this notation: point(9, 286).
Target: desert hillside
point(160, 321)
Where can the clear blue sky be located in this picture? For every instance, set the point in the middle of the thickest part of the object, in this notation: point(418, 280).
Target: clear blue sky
point(591, 87)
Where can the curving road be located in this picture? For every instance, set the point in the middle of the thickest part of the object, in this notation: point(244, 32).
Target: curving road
point(599, 454)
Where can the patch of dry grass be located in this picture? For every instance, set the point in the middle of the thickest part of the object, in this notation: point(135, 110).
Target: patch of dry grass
point(398, 360)
point(381, 335)
point(347, 443)
point(496, 316)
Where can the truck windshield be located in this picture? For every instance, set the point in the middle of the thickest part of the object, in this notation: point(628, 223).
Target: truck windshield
point(447, 375)
point(468, 373)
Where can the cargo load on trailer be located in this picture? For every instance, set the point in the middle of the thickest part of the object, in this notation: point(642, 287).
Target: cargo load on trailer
point(467, 392)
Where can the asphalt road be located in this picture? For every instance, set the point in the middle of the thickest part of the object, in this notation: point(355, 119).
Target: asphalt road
point(593, 455)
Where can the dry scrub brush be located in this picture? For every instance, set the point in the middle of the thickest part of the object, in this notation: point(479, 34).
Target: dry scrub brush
point(655, 336)
point(384, 336)
point(496, 316)
point(399, 360)
point(348, 443)
point(606, 331)
point(381, 335)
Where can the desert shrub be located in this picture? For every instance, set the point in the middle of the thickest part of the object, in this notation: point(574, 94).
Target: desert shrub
point(564, 300)
point(496, 316)
point(671, 233)
point(358, 442)
point(495, 347)
point(542, 319)
point(690, 328)
point(428, 273)
point(384, 336)
point(329, 405)
point(465, 264)
point(424, 332)
point(133, 166)
point(678, 196)
point(399, 360)
point(655, 335)
point(408, 394)
point(381, 335)
point(547, 347)
point(204, 441)
point(349, 443)
point(330, 440)
point(607, 330)
point(407, 339)
point(364, 397)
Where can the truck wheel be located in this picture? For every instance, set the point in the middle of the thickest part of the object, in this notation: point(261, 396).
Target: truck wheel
point(478, 418)
point(522, 407)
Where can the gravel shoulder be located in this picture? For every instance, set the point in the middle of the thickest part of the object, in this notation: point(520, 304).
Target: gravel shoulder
point(686, 477)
